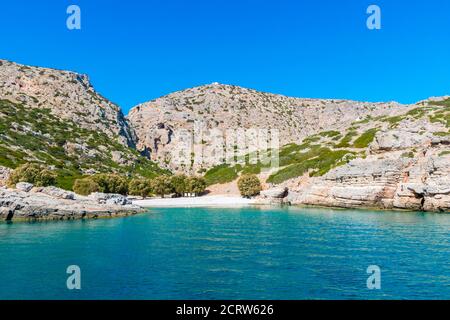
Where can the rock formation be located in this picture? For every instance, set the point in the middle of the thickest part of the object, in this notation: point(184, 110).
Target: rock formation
point(57, 118)
point(160, 123)
point(68, 95)
point(52, 203)
point(405, 168)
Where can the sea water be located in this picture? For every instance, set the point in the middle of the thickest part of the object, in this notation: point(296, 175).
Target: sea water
point(233, 253)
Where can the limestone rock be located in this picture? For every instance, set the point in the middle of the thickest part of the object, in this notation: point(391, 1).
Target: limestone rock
point(4, 175)
point(161, 124)
point(19, 205)
point(58, 193)
point(109, 198)
point(68, 95)
point(274, 193)
point(24, 186)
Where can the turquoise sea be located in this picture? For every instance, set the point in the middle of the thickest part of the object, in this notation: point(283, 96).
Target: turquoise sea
point(242, 253)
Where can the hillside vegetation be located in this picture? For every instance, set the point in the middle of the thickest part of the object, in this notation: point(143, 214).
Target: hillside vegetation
point(36, 135)
point(319, 153)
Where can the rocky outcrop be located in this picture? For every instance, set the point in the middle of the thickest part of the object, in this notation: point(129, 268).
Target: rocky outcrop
point(51, 203)
point(57, 118)
point(24, 186)
point(406, 168)
point(161, 124)
point(109, 198)
point(68, 95)
point(4, 175)
point(273, 196)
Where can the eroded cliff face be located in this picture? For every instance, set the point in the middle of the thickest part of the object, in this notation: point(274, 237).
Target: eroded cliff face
point(406, 166)
point(69, 96)
point(158, 123)
point(56, 118)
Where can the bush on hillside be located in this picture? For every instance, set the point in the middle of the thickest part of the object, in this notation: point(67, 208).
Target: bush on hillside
point(33, 173)
point(249, 185)
point(85, 186)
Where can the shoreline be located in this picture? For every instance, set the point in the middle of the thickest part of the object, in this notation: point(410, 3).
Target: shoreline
point(204, 201)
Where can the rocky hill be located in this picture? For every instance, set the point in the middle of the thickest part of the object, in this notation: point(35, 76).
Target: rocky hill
point(336, 153)
point(67, 95)
point(386, 162)
point(158, 123)
point(404, 163)
point(57, 118)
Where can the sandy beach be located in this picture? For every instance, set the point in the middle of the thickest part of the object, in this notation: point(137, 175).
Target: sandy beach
point(205, 201)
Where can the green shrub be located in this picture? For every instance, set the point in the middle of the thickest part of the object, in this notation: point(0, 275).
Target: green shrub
point(140, 187)
point(220, 174)
point(179, 184)
point(441, 134)
point(162, 185)
point(249, 185)
point(33, 173)
point(196, 185)
point(85, 186)
point(320, 161)
point(407, 154)
point(345, 142)
point(365, 139)
point(111, 183)
point(329, 134)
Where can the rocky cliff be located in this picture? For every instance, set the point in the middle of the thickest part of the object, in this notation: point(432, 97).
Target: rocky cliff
point(158, 123)
point(406, 165)
point(68, 96)
point(57, 118)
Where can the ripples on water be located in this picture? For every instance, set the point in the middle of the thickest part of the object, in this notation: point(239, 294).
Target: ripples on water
point(245, 253)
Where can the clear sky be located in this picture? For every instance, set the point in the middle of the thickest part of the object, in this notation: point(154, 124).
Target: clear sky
point(138, 50)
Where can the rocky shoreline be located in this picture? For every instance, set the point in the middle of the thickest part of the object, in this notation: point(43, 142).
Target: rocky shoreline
point(28, 203)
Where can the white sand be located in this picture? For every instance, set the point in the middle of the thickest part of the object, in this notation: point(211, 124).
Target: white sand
point(205, 201)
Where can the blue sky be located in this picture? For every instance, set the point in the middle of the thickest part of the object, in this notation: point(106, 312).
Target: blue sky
point(138, 50)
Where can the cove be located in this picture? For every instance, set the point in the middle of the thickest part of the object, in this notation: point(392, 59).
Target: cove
point(233, 253)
